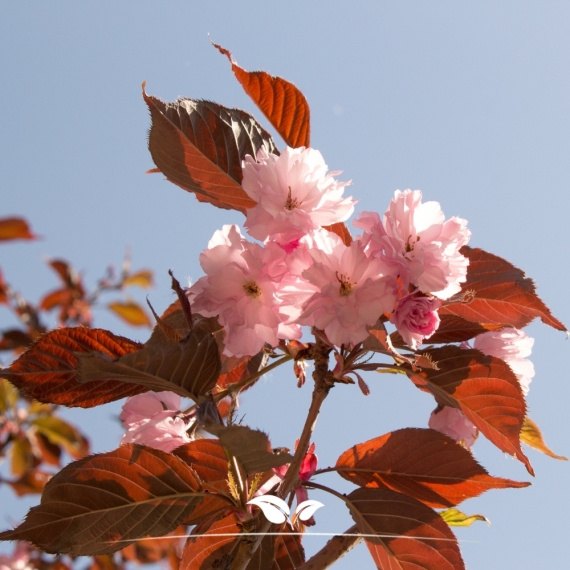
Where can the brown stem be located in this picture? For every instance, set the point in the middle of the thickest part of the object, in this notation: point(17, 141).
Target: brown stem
point(332, 551)
point(323, 384)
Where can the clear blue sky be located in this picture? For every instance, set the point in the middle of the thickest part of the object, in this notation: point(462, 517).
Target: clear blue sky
point(467, 101)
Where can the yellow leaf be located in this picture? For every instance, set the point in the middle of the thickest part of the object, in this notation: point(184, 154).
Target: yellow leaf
point(61, 433)
point(131, 312)
point(8, 396)
point(454, 517)
point(142, 278)
point(532, 436)
point(21, 456)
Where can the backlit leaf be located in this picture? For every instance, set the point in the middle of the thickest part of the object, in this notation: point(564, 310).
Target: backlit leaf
point(341, 231)
point(199, 146)
point(453, 517)
point(59, 432)
point(130, 312)
point(421, 463)
point(142, 278)
point(47, 371)
point(532, 436)
point(484, 388)
point(15, 228)
point(411, 536)
point(92, 505)
point(279, 100)
point(21, 456)
point(503, 294)
point(251, 448)
point(189, 367)
point(8, 396)
point(30, 483)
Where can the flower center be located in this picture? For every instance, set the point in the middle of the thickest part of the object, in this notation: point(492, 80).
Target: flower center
point(252, 289)
point(345, 285)
point(410, 246)
point(291, 203)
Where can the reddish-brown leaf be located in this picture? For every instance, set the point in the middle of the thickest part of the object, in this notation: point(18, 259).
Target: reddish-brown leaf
point(341, 231)
point(250, 447)
point(13, 339)
point(411, 536)
point(279, 100)
point(484, 388)
point(15, 228)
point(94, 504)
point(503, 294)
point(421, 463)
point(47, 371)
point(199, 146)
point(190, 367)
point(31, 482)
point(208, 459)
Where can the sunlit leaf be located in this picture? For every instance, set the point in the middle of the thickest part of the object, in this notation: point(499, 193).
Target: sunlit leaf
point(484, 388)
point(8, 396)
point(130, 312)
point(15, 228)
point(189, 367)
point(30, 483)
point(21, 456)
point(199, 146)
point(453, 517)
point(92, 505)
point(47, 371)
point(341, 231)
point(411, 536)
point(142, 278)
point(532, 436)
point(421, 463)
point(61, 433)
point(502, 294)
point(279, 100)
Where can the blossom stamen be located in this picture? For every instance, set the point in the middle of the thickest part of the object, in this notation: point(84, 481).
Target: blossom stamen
point(291, 203)
point(252, 289)
point(345, 285)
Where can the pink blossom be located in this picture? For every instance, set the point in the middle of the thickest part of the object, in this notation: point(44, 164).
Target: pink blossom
point(19, 559)
point(241, 288)
point(351, 293)
point(512, 345)
point(154, 419)
point(294, 194)
point(416, 318)
point(429, 244)
point(452, 422)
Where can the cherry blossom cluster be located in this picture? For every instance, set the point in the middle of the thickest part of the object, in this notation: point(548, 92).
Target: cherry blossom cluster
point(400, 267)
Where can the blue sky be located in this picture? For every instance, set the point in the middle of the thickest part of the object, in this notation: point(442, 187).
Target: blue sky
point(468, 102)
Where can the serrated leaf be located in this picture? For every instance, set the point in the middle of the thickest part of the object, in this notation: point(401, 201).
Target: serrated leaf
point(130, 312)
point(189, 367)
point(47, 371)
point(421, 463)
point(59, 432)
point(532, 436)
point(199, 146)
point(284, 106)
point(15, 228)
point(484, 388)
point(411, 536)
point(250, 447)
point(453, 517)
point(143, 278)
point(502, 294)
point(92, 505)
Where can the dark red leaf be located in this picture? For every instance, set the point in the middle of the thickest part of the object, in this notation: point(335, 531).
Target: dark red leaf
point(341, 231)
point(94, 504)
point(280, 101)
point(13, 339)
point(15, 228)
point(47, 371)
point(484, 388)
point(190, 367)
point(411, 536)
point(199, 146)
point(421, 463)
point(503, 294)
